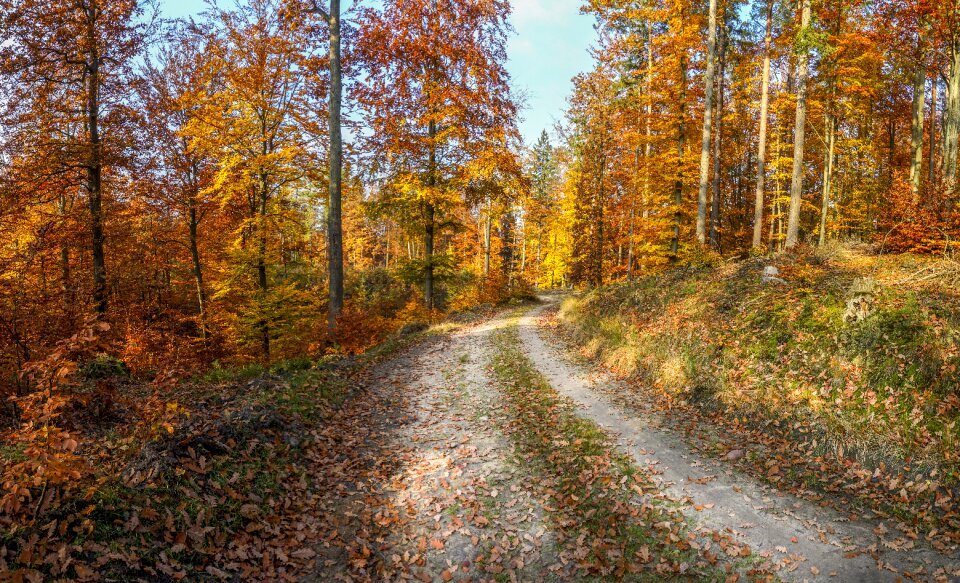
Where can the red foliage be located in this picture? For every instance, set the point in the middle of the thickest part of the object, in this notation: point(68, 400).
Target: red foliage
point(918, 224)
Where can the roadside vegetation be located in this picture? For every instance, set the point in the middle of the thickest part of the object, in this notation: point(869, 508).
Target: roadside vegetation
point(841, 376)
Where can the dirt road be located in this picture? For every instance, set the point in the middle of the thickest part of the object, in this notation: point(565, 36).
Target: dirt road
point(439, 486)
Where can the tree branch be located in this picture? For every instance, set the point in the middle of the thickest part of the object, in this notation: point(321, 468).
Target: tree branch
point(317, 9)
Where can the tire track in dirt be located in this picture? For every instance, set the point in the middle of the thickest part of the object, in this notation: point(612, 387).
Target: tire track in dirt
point(432, 492)
point(808, 542)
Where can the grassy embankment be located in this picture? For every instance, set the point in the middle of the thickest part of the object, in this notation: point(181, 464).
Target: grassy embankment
point(869, 407)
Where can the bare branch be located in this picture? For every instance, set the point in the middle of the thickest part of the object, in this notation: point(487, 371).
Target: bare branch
point(317, 9)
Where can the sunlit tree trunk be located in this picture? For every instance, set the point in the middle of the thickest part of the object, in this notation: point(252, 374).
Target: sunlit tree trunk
point(334, 220)
point(717, 145)
point(916, 125)
point(764, 116)
point(487, 234)
point(796, 183)
point(681, 150)
point(830, 131)
point(951, 127)
point(193, 223)
point(707, 121)
point(430, 220)
point(932, 163)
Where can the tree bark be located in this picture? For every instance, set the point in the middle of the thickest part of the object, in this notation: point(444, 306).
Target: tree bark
point(487, 233)
point(796, 183)
point(762, 148)
point(197, 266)
point(94, 164)
point(932, 164)
point(633, 213)
point(334, 219)
point(717, 144)
point(430, 217)
point(830, 129)
point(952, 125)
point(916, 125)
point(707, 121)
point(262, 280)
point(681, 150)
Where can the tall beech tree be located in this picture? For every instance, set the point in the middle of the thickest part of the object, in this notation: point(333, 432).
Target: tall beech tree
point(331, 15)
point(438, 106)
point(803, 46)
point(68, 65)
point(708, 113)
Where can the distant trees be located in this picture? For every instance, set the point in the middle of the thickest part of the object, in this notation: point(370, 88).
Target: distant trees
point(440, 111)
point(777, 180)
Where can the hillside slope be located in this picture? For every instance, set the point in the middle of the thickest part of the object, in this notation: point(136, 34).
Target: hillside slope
point(841, 376)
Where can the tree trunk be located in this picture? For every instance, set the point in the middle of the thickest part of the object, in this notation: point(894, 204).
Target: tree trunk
point(599, 203)
point(648, 147)
point(796, 183)
point(916, 126)
point(830, 130)
point(707, 120)
point(952, 126)
point(717, 144)
point(197, 267)
point(65, 285)
point(430, 213)
point(487, 233)
point(681, 147)
point(262, 280)
point(334, 220)
point(762, 148)
point(94, 167)
point(430, 216)
point(633, 214)
point(932, 164)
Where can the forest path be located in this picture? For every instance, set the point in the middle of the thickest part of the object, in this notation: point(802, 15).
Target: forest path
point(432, 490)
point(429, 480)
point(807, 541)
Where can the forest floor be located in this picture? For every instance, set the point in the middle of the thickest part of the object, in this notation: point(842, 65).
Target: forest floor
point(485, 448)
point(492, 454)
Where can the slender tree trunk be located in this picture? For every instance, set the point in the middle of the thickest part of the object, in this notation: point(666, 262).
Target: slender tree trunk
point(932, 164)
point(916, 125)
point(65, 286)
point(648, 147)
point(681, 150)
point(197, 266)
point(796, 183)
point(776, 217)
point(487, 235)
point(952, 126)
point(262, 280)
point(762, 148)
point(430, 218)
point(522, 234)
point(633, 214)
point(94, 166)
point(334, 220)
point(830, 130)
point(601, 195)
point(717, 144)
point(707, 122)
point(430, 213)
